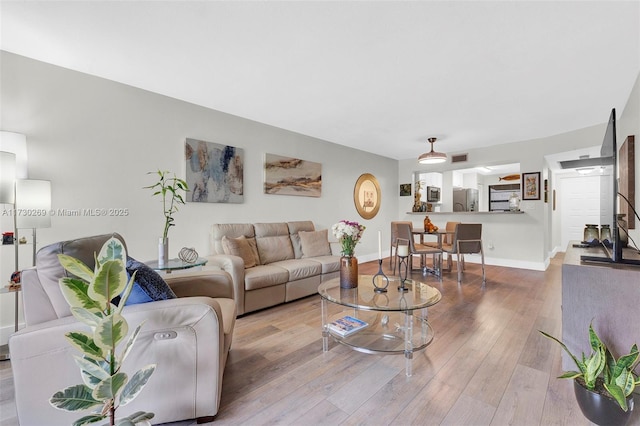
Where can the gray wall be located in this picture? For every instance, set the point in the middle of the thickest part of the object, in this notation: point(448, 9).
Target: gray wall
point(96, 140)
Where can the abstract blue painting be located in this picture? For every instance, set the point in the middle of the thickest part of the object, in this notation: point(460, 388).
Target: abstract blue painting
point(214, 172)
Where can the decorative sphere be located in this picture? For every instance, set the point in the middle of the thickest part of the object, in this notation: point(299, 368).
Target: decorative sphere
point(188, 255)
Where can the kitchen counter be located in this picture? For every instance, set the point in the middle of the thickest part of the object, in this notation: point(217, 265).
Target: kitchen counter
point(465, 213)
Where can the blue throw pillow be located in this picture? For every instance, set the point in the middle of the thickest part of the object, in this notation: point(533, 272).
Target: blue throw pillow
point(148, 286)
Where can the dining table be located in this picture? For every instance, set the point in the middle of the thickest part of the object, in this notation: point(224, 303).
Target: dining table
point(439, 234)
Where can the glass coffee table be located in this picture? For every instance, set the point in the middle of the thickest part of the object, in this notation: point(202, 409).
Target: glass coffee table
point(396, 320)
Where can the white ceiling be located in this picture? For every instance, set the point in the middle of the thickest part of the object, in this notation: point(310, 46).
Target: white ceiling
point(377, 76)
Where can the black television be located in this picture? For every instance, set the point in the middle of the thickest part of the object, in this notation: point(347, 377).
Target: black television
point(612, 247)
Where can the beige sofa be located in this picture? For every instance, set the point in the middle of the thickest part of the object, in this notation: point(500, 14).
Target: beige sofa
point(273, 263)
point(188, 338)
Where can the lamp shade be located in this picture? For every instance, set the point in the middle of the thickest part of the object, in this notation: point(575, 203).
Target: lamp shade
point(17, 144)
point(33, 203)
point(432, 157)
point(7, 177)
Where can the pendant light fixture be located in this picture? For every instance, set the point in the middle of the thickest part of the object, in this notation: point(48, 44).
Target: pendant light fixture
point(432, 157)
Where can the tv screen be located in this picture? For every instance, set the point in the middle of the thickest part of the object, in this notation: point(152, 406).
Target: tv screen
point(609, 199)
point(609, 190)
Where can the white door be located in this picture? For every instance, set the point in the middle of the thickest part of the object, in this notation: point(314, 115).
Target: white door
point(579, 204)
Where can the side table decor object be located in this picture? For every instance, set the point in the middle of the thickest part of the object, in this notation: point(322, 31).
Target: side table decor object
point(348, 234)
point(380, 280)
point(403, 265)
point(188, 255)
point(169, 188)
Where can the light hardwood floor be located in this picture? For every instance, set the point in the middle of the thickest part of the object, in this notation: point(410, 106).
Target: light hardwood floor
point(487, 364)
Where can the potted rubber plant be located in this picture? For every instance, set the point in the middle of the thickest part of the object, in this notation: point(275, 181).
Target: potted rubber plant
point(170, 189)
point(89, 293)
point(603, 384)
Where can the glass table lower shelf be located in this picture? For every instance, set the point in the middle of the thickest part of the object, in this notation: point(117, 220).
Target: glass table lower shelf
point(386, 332)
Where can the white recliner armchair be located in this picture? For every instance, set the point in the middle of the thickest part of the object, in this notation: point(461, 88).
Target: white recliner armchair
point(188, 339)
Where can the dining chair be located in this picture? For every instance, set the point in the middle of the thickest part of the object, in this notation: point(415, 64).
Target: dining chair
point(467, 239)
point(394, 237)
point(447, 242)
point(417, 249)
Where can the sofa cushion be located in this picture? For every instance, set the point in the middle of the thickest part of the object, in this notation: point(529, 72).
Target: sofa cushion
point(273, 242)
point(294, 228)
point(264, 276)
point(273, 249)
point(300, 268)
point(50, 270)
point(328, 263)
point(241, 247)
point(149, 285)
point(231, 230)
point(315, 243)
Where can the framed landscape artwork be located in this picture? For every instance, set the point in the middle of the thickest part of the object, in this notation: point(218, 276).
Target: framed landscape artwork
point(214, 172)
point(531, 186)
point(292, 176)
point(405, 189)
point(366, 196)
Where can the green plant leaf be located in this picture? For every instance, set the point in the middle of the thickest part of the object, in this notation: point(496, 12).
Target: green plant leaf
point(91, 418)
point(91, 380)
point(75, 292)
point(125, 421)
point(617, 393)
point(580, 365)
point(113, 249)
point(76, 267)
point(594, 340)
point(108, 389)
point(594, 366)
point(74, 398)
point(130, 342)
point(139, 416)
point(109, 282)
point(125, 294)
point(91, 368)
point(135, 385)
point(570, 375)
point(110, 331)
point(88, 317)
point(85, 344)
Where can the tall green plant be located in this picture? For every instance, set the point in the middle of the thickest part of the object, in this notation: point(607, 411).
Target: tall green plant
point(601, 368)
point(169, 188)
point(89, 293)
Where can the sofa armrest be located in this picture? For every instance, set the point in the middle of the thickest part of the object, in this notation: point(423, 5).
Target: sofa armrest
point(234, 265)
point(209, 283)
point(183, 337)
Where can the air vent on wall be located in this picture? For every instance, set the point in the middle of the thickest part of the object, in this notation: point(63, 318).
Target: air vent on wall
point(460, 158)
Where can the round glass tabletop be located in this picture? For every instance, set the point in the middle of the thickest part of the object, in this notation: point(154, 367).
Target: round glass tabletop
point(176, 264)
point(418, 296)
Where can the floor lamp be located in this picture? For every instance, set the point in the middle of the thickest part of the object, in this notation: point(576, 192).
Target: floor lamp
point(13, 166)
point(8, 196)
point(33, 196)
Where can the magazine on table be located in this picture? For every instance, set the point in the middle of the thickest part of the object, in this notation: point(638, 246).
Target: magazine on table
point(347, 325)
